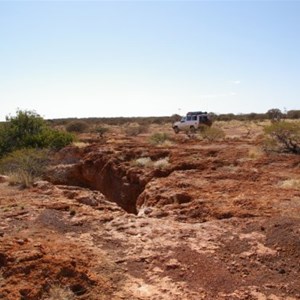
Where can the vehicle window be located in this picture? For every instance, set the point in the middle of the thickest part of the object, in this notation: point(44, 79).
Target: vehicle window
point(194, 118)
point(188, 118)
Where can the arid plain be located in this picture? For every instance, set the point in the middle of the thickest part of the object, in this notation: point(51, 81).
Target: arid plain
point(119, 217)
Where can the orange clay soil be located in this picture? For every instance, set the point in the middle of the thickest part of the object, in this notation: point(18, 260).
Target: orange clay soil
point(199, 220)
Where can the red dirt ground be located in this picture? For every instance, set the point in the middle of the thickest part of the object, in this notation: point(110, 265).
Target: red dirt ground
point(215, 220)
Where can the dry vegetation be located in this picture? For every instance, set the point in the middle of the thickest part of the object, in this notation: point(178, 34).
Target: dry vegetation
point(58, 292)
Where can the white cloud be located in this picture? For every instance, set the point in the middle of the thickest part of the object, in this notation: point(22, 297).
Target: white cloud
point(235, 81)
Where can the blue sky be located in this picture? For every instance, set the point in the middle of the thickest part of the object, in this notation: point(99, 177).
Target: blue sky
point(148, 58)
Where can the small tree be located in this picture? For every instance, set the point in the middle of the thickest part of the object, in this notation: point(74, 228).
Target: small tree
point(274, 114)
point(284, 137)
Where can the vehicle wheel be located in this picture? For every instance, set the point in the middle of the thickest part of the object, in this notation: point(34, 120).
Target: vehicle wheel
point(192, 129)
point(176, 129)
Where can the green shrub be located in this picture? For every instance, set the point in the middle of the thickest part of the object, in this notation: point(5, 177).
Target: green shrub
point(56, 139)
point(159, 138)
point(28, 130)
point(283, 137)
point(77, 126)
point(25, 165)
point(20, 131)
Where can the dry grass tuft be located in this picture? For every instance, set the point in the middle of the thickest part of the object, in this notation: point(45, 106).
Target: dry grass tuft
point(255, 153)
point(167, 143)
point(161, 163)
point(21, 177)
point(149, 163)
point(290, 184)
point(80, 144)
point(58, 292)
point(143, 162)
point(159, 138)
point(24, 166)
point(213, 134)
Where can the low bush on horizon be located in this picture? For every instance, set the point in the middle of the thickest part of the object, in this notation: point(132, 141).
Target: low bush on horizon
point(136, 129)
point(77, 126)
point(101, 130)
point(283, 136)
point(119, 121)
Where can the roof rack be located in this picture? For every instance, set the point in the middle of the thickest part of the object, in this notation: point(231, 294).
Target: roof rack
point(192, 113)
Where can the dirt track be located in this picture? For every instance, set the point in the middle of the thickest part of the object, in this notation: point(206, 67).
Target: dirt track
point(216, 222)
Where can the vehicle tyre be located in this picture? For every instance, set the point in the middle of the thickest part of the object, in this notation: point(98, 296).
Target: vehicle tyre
point(192, 129)
point(176, 129)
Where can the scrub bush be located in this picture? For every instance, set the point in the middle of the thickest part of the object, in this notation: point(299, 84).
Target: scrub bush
point(283, 137)
point(136, 129)
point(77, 126)
point(28, 130)
point(25, 165)
point(101, 130)
point(212, 133)
point(159, 138)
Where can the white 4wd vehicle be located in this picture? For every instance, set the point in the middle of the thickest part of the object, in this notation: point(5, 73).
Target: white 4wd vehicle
point(192, 121)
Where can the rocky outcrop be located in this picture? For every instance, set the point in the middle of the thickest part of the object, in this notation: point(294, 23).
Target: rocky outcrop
point(194, 186)
point(108, 171)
